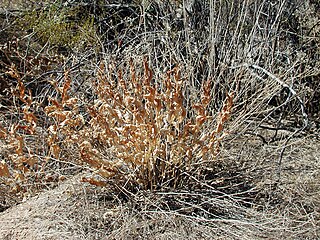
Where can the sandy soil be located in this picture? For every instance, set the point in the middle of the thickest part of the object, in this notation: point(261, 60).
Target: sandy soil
point(44, 216)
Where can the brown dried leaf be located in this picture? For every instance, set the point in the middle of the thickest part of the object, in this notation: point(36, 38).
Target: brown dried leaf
point(106, 173)
point(177, 75)
point(71, 102)
point(3, 132)
point(122, 82)
point(147, 73)
point(225, 117)
point(4, 171)
point(31, 161)
point(101, 70)
point(200, 109)
point(50, 109)
point(55, 150)
point(158, 104)
point(151, 95)
point(219, 127)
point(66, 86)
point(206, 96)
point(93, 181)
point(31, 119)
point(13, 72)
point(21, 89)
point(59, 115)
point(168, 83)
point(19, 177)
point(19, 149)
point(200, 120)
point(132, 71)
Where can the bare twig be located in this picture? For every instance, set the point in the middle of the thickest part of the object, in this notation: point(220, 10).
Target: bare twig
point(293, 94)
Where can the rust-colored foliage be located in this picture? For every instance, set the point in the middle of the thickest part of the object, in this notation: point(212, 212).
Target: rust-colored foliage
point(144, 124)
point(20, 158)
point(94, 182)
point(138, 129)
point(4, 171)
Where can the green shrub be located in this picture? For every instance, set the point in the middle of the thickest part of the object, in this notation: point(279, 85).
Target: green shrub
point(61, 26)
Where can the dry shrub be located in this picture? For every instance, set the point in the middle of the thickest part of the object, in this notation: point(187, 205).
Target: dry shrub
point(137, 130)
point(18, 151)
